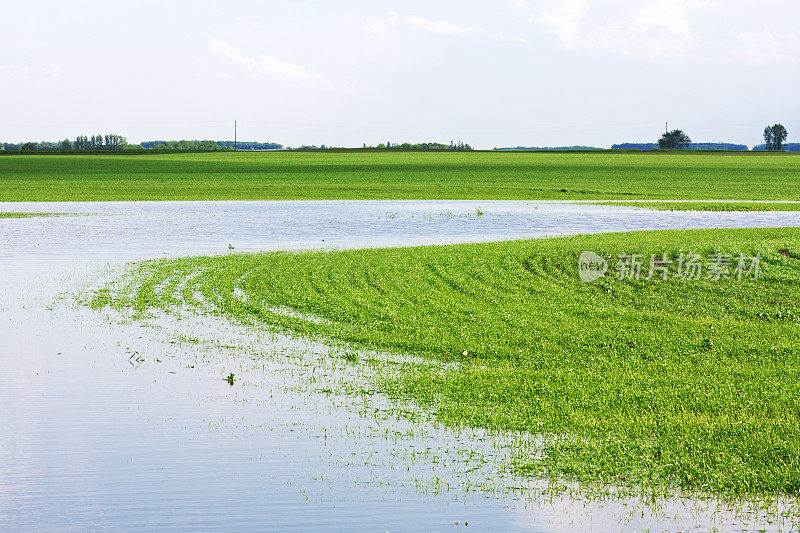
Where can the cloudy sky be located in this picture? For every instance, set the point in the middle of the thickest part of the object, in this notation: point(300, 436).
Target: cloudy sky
point(499, 73)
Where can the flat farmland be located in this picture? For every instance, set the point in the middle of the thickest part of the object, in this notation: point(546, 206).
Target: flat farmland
point(399, 175)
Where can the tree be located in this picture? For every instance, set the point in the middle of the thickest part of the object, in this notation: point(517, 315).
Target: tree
point(66, 144)
point(116, 142)
point(774, 137)
point(674, 140)
point(769, 139)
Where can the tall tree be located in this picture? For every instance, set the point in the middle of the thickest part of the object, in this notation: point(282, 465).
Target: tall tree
point(769, 138)
point(779, 135)
point(674, 140)
point(774, 137)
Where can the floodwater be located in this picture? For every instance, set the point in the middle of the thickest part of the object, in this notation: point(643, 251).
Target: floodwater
point(110, 424)
point(123, 231)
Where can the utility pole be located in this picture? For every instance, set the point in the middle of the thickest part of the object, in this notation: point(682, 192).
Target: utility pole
point(234, 135)
point(666, 129)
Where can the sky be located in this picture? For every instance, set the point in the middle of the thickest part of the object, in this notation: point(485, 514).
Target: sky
point(344, 73)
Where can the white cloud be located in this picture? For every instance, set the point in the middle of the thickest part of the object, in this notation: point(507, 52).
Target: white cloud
point(444, 27)
point(380, 26)
point(564, 21)
point(766, 47)
point(672, 15)
point(384, 26)
point(270, 67)
point(623, 27)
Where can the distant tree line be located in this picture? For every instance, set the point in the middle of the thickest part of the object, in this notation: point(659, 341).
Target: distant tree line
point(550, 149)
point(691, 146)
point(208, 146)
point(457, 146)
point(81, 143)
point(788, 147)
point(118, 142)
point(432, 146)
point(242, 145)
point(96, 142)
point(774, 137)
point(718, 146)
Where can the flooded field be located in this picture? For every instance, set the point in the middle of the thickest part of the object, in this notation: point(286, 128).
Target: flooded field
point(124, 231)
point(124, 424)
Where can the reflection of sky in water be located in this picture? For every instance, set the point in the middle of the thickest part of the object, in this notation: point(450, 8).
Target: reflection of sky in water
point(90, 440)
point(134, 230)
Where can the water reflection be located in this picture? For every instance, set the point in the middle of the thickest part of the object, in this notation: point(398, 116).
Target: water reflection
point(109, 425)
point(136, 230)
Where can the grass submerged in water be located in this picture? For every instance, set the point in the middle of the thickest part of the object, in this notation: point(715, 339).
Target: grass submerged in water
point(27, 215)
point(710, 206)
point(657, 384)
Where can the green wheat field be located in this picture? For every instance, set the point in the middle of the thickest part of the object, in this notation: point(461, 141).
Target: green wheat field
point(659, 384)
point(644, 383)
point(400, 175)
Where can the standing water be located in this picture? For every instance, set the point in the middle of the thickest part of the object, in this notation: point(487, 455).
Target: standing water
point(133, 425)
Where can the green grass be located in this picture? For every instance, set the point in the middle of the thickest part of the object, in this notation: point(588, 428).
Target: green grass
point(25, 215)
point(710, 206)
point(656, 384)
point(406, 175)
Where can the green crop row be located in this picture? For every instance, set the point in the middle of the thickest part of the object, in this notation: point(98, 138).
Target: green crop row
point(689, 383)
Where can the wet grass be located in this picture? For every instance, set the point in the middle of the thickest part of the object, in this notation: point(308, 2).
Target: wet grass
point(710, 206)
point(687, 384)
point(27, 215)
point(400, 175)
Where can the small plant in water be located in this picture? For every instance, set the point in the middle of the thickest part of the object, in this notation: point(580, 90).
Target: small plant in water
point(230, 379)
point(351, 357)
